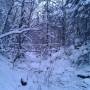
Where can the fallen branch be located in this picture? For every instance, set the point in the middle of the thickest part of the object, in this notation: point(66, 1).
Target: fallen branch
point(17, 32)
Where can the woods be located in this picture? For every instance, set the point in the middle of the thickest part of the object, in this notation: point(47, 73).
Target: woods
point(44, 44)
point(56, 23)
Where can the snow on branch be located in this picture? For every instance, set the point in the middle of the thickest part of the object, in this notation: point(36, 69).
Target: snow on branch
point(18, 31)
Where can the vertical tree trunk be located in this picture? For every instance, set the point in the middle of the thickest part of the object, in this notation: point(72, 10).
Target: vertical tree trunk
point(63, 25)
point(47, 21)
point(31, 11)
point(6, 27)
point(19, 38)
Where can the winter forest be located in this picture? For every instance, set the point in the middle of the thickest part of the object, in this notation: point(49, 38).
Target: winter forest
point(44, 44)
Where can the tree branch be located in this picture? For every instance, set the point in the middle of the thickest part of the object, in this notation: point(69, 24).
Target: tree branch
point(18, 31)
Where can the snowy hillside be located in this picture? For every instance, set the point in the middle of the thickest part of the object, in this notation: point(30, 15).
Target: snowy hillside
point(55, 73)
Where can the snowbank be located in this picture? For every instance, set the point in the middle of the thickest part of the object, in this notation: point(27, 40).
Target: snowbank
point(55, 73)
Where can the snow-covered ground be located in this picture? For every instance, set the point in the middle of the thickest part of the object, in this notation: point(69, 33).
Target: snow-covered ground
point(55, 73)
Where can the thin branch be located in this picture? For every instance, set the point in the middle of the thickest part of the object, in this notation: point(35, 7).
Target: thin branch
point(17, 32)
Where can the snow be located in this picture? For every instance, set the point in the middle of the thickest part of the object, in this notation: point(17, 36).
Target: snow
point(31, 56)
point(55, 73)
